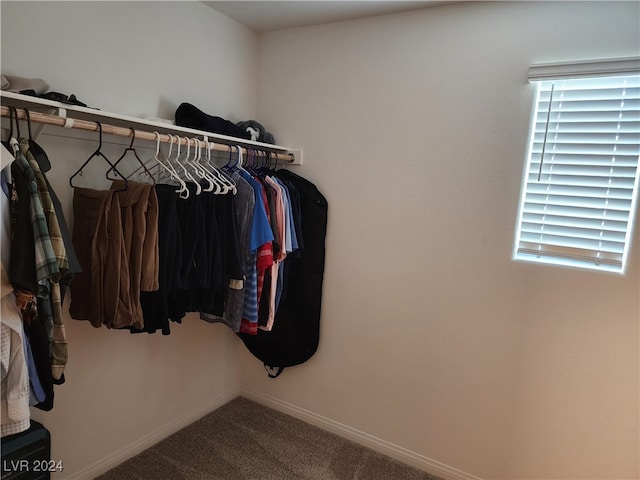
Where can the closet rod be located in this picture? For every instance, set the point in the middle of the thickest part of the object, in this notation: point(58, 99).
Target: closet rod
point(126, 132)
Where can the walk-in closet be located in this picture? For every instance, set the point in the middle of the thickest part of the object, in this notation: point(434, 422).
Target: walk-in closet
point(352, 170)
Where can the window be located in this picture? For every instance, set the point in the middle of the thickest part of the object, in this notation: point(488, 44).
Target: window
point(581, 179)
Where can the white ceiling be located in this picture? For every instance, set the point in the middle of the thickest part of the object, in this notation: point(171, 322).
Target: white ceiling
point(267, 15)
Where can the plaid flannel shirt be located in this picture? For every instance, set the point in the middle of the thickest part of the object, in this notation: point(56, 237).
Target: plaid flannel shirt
point(51, 307)
point(46, 262)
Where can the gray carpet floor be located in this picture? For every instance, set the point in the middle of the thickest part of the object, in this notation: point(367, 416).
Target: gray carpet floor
point(243, 440)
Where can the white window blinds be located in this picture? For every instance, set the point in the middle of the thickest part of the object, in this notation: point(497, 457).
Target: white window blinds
point(581, 179)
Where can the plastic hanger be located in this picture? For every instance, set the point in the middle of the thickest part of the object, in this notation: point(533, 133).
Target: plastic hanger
point(248, 159)
point(130, 148)
point(98, 153)
point(240, 163)
point(207, 174)
point(185, 160)
point(153, 169)
point(273, 168)
point(175, 160)
point(169, 169)
point(226, 169)
point(144, 169)
point(191, 162)
point(222, 175)
point(275, 165)
point(256, 158)
point(230, 165)
point(262, 157)
point(166, 169)
point(183, 192)
point(261, 165)
point(167, 161)
point(254, 162)
point(186, 174)
point(222, 186)
point(272, 165)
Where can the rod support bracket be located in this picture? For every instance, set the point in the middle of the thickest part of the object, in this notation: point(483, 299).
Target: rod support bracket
point(68, 122)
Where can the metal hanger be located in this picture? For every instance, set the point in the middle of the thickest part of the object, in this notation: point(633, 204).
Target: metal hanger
point(98, 153)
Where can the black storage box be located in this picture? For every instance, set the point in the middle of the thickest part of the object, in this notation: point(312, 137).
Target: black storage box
point(26, 455)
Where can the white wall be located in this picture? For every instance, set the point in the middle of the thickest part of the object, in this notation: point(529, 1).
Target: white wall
point(432, 339)
point(125, 391)
point(139, 59)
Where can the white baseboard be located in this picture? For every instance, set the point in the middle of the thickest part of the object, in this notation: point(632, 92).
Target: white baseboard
point(382, 446)
point(138, 446)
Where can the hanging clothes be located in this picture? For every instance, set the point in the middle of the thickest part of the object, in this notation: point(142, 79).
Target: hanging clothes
point(14, 403)
point(51, 308)
point(265, 321)
point(38, 269)
point(155, 304)
point(296, 329)
point(97, 238)
point(14, 373)
point(32, 261)
point(228, 269)
point(46, 265)
point(139, 216)
point(243, 207)
point(192, 269)
point(260, 256)
point(211, 259)
point(73, 266)
point(116, 239)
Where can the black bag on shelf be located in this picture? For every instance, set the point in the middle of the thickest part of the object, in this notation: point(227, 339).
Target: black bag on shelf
point(190, 116)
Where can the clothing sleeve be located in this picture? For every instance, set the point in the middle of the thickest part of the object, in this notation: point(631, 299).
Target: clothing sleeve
point(15, 411)
point(151, 256)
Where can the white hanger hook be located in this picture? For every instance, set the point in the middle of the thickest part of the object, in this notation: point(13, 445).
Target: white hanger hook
point(157, 135)
point(178, 145)
point(240, 162)
point(188, 140)
point(170, 146)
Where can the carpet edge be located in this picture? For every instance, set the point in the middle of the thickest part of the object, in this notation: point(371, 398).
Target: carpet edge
point(384, 447)
point(138, 446)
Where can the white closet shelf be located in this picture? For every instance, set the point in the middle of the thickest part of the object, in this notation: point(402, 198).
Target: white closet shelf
point(68, 114)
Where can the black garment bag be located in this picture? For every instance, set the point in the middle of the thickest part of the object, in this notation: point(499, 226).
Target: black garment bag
point(296, 330)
